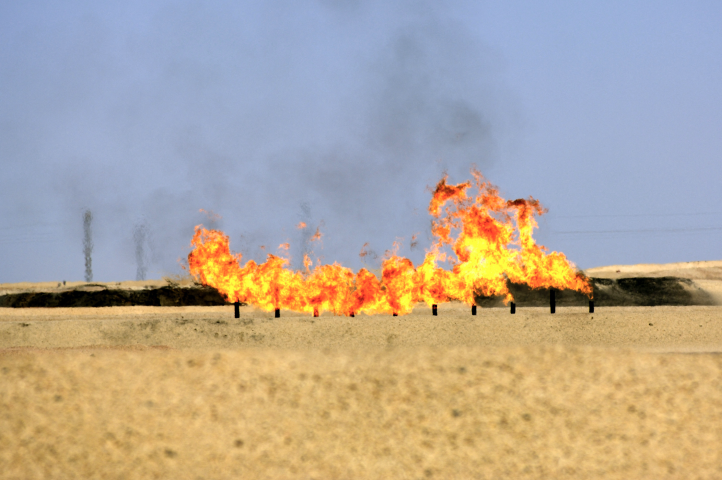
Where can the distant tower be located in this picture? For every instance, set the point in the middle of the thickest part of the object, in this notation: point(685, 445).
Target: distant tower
point(88, 245)
point(140, 237)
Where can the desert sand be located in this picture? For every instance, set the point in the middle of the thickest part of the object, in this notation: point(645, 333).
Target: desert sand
point(192, 392)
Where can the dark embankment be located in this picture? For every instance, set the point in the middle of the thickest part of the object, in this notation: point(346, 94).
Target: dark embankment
point(607, 292)
point(623, 292)
point(100, 296)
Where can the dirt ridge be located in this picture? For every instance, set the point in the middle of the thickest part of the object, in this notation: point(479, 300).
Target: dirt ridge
point(101, 296)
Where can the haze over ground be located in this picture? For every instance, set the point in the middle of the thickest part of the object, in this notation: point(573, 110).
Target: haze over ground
point(271, 113)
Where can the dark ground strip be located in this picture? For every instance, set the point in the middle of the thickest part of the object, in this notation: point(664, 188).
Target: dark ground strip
point(159, 297)
point(623, 292)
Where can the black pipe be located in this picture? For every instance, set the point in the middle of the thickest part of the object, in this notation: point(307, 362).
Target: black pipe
point(473, 309)
point(591, 306)
point(395, 314)
point(351, 314)
point(513, 308)
point(278, 313)
point(552, 301)
point(237, 309)
point(433, 310)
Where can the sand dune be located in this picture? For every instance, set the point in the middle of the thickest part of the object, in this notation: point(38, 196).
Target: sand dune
point(191, 392)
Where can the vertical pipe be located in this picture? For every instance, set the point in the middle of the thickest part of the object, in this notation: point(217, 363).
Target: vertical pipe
point(278, 313)
point(237, 309)
point(315, 312)
point(552, 301)
point(513, 308)
point(433, 310)
point(591, 306)
point(473, 309)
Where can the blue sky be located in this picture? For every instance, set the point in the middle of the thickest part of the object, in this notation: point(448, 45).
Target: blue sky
point(342, 113)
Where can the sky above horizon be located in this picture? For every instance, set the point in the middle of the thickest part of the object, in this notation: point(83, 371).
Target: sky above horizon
point(342, 114)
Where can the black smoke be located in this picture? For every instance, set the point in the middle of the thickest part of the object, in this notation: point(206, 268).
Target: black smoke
point(249, 110)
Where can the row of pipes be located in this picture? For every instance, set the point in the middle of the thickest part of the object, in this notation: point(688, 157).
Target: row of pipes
point(552, 307)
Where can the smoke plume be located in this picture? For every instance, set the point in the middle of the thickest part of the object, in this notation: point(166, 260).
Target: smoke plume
point(248, 109)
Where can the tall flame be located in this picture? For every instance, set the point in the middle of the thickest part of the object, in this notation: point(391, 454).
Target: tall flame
point(490, 240)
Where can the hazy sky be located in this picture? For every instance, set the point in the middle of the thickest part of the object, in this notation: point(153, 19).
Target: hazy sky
point(342, 113)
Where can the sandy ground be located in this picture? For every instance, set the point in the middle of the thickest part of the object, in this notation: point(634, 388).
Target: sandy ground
point(657, 329)
point(191, 392)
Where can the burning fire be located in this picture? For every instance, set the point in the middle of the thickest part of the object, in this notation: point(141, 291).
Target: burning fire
point(490, 241)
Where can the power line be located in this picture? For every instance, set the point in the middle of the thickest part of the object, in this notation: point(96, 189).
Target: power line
point(640, 230)
point(32, 225)
point(638, 215)
point(28, 240)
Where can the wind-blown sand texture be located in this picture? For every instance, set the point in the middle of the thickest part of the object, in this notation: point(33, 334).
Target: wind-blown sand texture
point(191, 392)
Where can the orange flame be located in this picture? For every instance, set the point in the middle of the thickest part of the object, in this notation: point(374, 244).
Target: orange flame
point(493, 244)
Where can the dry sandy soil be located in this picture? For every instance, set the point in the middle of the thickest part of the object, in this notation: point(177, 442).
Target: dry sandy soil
point(191, 392)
